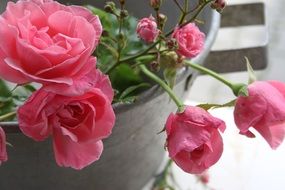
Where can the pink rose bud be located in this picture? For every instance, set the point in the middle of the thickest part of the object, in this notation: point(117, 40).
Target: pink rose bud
point(147, 29)
point(190, 40)
point(78, 124)
point(47, 42)
point(193, 139)
point(3, 152)
point(219, 5)
point(264, 110)
point(155, 3)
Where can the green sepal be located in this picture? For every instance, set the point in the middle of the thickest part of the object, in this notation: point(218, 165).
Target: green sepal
point(251, 75)
point(132, 89)
point(215, 106)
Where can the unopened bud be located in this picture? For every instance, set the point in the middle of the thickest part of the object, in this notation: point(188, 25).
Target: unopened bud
point(105, 33)
point(219, 5)
point(155, 4)
point(122, 2)
point(172, 44)
point(168, 60)
point(110, 7)
point(155, 66)
point(124, 13)
point(162, 19)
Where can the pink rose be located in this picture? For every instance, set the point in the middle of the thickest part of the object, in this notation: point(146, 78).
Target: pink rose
point(3, 152)
point(190, 40)
point(77, 123)
point(46, 42)
point(264, 110)
point(147, 29)
point(193, 139)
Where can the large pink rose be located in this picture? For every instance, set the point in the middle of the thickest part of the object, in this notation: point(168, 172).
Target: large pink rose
point(3, 152)
point(147, 29)
point(77, 123)
point(193, 139)
point(263, 110)
point(46, 42)
point(190, 40)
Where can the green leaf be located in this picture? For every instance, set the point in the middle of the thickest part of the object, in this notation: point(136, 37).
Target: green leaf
point(107, 49)
point(123, 77)
point(132, 89)
point(215, 106)
point(6, 102)
point(4, 90)
point(134, 44)
point(127, 100)
point(170, 76)
point(29, 88)
point(252, 78)
point(106, 53)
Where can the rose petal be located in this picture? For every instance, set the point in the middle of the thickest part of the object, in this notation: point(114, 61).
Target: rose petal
point(76, 155)
point(248, 111)
point(273, 134)
point(10, 74)
point(34, 122)
point(193, 139)
point(91, 18)
point(60, 22)
point(186, 137)
point(279, 86)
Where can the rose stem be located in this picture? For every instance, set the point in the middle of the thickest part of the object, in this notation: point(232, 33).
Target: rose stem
point(170, 92)
point(236, 87)
point(178, 5)
point(8, 115)
point(184, 12)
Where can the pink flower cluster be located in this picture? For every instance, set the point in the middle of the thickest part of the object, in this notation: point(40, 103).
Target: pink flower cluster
point(52, 44)
point(189, 38)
